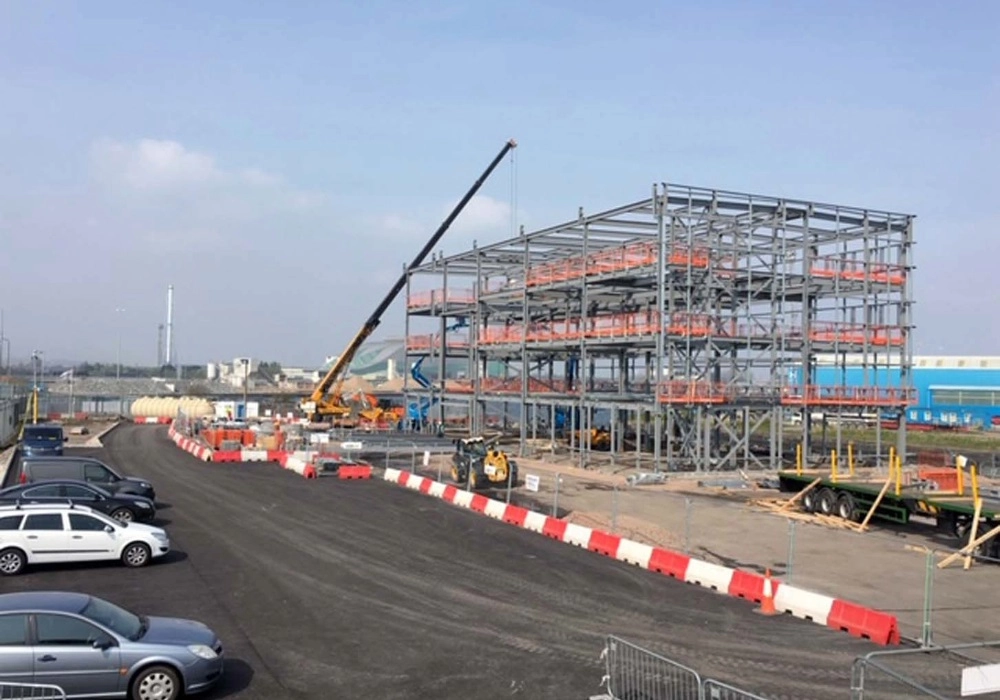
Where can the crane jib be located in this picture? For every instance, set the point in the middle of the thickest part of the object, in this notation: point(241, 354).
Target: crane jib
point(340, 366)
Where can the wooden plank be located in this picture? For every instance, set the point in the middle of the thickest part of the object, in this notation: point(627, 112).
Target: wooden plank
point(794, 499)
point(875, 505)
point(969, 548)
point(974, 531)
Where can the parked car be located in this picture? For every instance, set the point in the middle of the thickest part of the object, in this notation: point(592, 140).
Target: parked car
point(92, 648)
point(43, 439)
point(87, 469)
point(123, 507)
point(57, 533)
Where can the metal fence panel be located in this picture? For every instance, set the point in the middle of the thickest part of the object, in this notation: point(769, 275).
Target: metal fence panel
point(30, 691)
point(633, 673)
point(716, 690)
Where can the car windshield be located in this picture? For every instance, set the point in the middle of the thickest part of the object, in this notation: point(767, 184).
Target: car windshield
point(44, 434)
point(121, 621)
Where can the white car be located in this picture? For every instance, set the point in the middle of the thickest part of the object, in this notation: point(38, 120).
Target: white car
point(56, 533)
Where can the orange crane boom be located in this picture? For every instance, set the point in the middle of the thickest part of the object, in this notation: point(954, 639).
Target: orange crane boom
point(327, 398)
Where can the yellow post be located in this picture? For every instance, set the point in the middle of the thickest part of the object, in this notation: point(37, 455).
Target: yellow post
point(850, 458)
point(892, 458)
point(899, 475)
point(959, 476)
point(34, 405)
point(833, 465)
point(975, 483)
point(798, 459)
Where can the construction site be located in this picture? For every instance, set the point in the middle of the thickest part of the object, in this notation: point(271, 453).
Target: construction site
point(684, 328)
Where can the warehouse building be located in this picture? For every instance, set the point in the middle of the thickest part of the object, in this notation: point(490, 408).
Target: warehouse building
point(949, 391)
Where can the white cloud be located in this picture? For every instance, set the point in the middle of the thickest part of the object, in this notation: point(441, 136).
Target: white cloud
point(160, 190)
point(483, 214)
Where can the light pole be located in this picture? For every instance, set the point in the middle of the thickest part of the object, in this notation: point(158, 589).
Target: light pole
point(246, 377)
point(37, 369)
point(118, 362)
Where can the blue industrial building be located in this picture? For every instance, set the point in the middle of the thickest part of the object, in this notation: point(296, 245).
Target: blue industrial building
point(951, 391)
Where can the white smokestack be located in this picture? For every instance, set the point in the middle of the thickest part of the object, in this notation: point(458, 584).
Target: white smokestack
point(170, 325)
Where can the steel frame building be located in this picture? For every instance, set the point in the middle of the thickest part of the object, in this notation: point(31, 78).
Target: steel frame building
point(691, 319)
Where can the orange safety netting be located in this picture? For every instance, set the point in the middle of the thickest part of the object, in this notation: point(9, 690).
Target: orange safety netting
point(433, 342)
point(437, 297)
point(610, 260)
point(683, 325)
point(858, 271)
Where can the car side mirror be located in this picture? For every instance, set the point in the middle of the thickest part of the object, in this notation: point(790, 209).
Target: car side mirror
point(65, 438)
point(103, 644)
point(108, 528)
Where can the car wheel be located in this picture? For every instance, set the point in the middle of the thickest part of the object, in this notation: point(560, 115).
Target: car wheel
point(156, 683)
point(135, 555)
point(123, 515)
point(12, 562)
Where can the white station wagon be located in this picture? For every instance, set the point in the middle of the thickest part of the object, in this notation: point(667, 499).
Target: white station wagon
point(58, 533)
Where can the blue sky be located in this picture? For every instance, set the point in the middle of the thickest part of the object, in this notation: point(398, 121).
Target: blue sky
point(279, 162)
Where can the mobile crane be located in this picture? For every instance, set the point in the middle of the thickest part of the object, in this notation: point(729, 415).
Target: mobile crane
point(326, 400)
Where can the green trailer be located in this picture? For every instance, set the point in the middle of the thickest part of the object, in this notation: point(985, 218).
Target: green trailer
point(852, 499)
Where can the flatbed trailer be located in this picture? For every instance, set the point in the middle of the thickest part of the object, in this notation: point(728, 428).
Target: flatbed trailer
point(852, 499)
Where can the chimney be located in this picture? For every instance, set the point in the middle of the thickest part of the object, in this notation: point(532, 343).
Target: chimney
point(170, 326)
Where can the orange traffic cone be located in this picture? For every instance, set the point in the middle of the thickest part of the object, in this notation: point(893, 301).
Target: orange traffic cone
point(767, 600)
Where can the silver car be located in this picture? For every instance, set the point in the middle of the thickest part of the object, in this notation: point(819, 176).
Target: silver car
point(94, 649)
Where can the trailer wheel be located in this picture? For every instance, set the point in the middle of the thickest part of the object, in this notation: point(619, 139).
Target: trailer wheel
point(846, 507)
point(810, 502)
point(827, 501)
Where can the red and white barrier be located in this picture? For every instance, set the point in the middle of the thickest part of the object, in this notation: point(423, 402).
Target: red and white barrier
point(190, 446)
point(859, 621)
point(152, 420)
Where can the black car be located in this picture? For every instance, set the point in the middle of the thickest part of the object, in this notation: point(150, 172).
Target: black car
point(86, 469)
point(120, 506)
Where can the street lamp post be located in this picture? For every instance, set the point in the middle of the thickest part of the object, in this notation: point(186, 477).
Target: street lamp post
point(37, 369)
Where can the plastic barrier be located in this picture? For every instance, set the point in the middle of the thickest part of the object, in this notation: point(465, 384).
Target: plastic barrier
point(495, 509)
point(462, 498)
point(709, 575)
point(254, 456)
point(858, 621)
point(437, 489)
point(413, 481)
point(227, 456)
point(603, 543)
point(556, 529)
point(634, 553)
point(358, 471)
point(478, 502)
point(749, 586)
point(803, 604)
point(392, 475)
point(577, 535)
point(425, 486)
point(515, 515)
point(669, 563)
point(535, 522)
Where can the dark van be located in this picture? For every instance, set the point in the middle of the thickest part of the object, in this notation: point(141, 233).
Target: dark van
point(42, 439)
point(83, 469)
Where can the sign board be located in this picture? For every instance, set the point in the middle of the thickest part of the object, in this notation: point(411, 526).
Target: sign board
point(427, 458)
point(980, 680)
point(351, 445)
point(532, 482)
point(319, 438)
point(490, 470)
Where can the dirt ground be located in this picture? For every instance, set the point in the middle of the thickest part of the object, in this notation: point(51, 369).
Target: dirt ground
point(885, 567)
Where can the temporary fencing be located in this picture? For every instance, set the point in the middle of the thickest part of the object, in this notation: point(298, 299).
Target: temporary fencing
point(632, 672)
point(30, 691)
point(942, 672)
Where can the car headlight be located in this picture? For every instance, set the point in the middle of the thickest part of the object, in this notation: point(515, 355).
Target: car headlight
point(203, 652)
point(144, 485)
point(143, 504)
point(161, 536)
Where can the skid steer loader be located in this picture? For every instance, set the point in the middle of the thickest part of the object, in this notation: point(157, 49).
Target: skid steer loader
point(479, 462)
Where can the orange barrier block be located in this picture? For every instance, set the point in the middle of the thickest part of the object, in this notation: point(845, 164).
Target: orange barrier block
point(669, 563)
point(879, 627)
point(603, 543)
point(554, 528)
point(478, 503)
point(515, 515)
point(749, 586)
point(359, 471)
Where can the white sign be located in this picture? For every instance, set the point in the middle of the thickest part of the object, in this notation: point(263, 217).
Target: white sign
point(319, 438)
point(532, 482)
point(427, 458)
point(490, 470)
point(351, 445)
point(980, 680)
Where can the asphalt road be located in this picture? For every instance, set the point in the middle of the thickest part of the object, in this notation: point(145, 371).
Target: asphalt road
point(326, 589)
